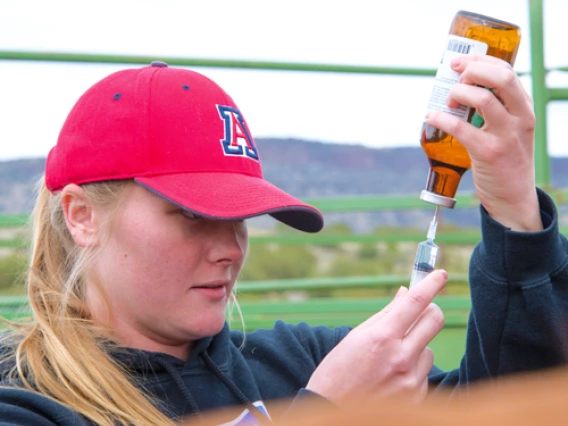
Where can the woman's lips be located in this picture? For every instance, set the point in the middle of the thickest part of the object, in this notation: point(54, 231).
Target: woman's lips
point(213, 290)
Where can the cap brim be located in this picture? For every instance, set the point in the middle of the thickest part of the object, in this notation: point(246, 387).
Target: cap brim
point(228, 196)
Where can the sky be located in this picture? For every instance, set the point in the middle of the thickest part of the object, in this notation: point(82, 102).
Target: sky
point(370, 110)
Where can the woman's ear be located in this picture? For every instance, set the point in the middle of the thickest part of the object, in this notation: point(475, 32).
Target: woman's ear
point(80, 216)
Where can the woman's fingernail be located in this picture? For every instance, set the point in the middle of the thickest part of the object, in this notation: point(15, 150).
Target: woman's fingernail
point(444, 274)
point(456, 62)
point(400, 291)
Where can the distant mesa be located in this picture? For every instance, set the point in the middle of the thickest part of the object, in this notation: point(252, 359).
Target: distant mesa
point(309, 169)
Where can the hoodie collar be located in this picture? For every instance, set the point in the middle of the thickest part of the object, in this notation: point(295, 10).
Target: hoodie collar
point(143, 362)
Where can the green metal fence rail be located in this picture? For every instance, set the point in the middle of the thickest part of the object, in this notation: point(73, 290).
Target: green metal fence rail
point(448, 346)
point(340, 311)
point(324, 311)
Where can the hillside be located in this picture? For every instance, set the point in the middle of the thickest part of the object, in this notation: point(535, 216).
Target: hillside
point(311, 169)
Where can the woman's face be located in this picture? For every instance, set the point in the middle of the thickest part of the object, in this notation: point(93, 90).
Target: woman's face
point(168, 274)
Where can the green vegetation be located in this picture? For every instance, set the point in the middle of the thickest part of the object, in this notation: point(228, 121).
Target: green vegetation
point(271, 261)
point(12, 269)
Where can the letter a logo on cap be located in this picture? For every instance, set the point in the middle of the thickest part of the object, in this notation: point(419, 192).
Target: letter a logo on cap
point(237, 140)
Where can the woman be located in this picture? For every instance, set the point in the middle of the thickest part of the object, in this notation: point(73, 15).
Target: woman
point(140, 235)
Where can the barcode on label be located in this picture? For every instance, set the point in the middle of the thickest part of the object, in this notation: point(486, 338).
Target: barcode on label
point(459, 46)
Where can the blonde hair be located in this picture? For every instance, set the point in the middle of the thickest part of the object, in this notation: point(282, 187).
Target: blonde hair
point(60, 352)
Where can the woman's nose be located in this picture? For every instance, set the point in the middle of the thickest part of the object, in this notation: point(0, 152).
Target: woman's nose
point(229, 241)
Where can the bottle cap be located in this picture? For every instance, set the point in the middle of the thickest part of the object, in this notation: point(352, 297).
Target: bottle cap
point(438, 200)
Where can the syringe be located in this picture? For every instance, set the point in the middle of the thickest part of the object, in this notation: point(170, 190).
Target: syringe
point(425, 261)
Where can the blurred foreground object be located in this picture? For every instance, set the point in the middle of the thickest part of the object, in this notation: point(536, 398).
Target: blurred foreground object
point(522, 400)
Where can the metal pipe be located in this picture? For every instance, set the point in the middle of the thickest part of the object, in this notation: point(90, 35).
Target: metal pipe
point(539, 94)
point(214, 63)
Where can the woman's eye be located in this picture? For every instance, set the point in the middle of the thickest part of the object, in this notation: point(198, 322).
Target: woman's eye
point(189, 215)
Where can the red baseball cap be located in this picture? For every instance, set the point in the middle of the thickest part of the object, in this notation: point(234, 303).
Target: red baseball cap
point(177, 133)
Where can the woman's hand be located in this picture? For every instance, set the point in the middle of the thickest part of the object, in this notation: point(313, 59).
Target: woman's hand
point(502, 150)
point(387, 355)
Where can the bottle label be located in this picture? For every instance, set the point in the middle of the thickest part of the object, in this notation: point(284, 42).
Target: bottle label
point(446, 77)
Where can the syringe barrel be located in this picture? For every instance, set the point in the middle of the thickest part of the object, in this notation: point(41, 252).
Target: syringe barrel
point(425, 261)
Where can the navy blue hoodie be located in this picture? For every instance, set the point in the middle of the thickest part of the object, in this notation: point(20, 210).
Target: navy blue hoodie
point(519, 285)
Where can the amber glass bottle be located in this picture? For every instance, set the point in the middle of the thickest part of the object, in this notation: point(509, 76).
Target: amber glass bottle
point(469, 33)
